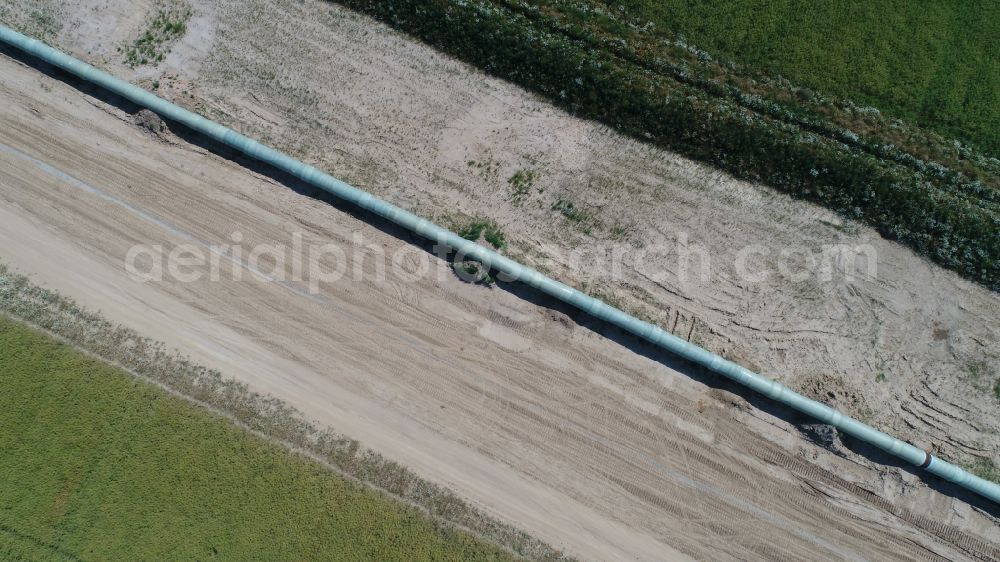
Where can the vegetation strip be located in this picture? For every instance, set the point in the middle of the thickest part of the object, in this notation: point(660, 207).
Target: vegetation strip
point(148, 359)
point(951, 216)
point(932, 63)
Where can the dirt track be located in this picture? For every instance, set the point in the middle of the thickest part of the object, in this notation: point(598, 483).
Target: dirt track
point(584, 441)
point(911, 349)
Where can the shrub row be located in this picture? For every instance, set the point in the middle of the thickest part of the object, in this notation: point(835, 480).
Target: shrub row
point(957, 228)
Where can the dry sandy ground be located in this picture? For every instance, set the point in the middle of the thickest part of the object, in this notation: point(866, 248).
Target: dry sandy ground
point(583, 441)
point(913, 349)
point(588, 444)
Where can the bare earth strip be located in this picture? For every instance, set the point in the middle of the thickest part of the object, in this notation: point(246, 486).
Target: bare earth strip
point(585, 442)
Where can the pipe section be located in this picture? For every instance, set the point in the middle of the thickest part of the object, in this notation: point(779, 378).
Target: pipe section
point(510, 268)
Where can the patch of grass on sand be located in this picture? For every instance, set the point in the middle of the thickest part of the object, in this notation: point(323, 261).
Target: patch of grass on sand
point(986, 470)
point(487, 229)
point(169, 24)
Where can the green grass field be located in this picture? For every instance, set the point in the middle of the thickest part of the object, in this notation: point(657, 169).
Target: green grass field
point(95, 464)
point(936, 63)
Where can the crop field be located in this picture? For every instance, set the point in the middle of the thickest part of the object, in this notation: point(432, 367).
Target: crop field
point(97, 463)
point(932, 192)
point(926, 62)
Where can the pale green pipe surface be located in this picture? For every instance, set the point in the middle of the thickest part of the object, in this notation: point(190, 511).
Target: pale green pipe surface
point(510, 268)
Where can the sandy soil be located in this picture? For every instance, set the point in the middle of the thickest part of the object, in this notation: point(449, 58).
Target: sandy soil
point(587, 443)
point(913, 349)
point(592, 445)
